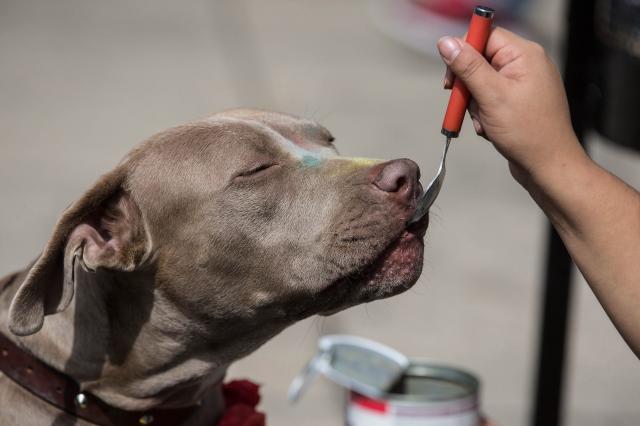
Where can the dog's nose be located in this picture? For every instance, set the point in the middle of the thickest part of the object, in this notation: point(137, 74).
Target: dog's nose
point(400, 178)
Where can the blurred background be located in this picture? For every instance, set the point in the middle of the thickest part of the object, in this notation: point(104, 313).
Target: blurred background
point(81, 82)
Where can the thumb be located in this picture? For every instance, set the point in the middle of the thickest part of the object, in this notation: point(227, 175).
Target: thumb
point(469, 66)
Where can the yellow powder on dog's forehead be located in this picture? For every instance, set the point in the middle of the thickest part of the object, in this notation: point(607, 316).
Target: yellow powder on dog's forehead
point(358, 162)
point(349, 164)
point(361, 161)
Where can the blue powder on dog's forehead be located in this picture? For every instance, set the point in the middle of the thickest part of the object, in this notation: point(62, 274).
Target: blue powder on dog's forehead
point(307, 159)
point(311, 160)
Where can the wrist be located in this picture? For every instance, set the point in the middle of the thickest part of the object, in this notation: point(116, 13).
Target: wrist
point(559, 187)
point(566, 164)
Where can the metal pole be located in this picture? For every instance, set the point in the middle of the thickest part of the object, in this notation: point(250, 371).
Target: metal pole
point(553, 330)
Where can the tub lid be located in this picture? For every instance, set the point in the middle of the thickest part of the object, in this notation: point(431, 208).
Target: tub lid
point(359, 364)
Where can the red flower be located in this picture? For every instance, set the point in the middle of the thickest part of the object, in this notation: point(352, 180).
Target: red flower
point(241, 398)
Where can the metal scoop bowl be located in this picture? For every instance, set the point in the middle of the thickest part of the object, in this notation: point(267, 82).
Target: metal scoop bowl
point(431, 193)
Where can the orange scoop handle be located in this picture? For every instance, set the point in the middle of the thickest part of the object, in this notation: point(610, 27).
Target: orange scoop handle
point(477, 36)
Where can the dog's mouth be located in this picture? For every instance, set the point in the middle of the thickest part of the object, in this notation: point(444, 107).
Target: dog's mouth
point(394, 270)
point(398, 267)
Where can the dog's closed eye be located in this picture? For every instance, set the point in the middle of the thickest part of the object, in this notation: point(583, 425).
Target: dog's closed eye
point(257, 170)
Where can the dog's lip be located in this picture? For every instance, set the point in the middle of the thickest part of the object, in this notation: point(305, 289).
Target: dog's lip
point(412, 231)
point(419, 228)
point(411, 235)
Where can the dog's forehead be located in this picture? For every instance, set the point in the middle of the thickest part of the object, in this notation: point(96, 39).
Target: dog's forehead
point(304, 139)
point(290, 126)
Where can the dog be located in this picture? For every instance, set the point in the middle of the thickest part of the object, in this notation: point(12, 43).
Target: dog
point(203, 243)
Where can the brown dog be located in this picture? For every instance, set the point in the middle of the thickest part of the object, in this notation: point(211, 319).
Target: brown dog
point(204, 242)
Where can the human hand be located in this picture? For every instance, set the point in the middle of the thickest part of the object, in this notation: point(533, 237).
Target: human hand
point(519, 102)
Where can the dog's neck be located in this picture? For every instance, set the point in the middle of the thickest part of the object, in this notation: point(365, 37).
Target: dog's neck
point(122, 341)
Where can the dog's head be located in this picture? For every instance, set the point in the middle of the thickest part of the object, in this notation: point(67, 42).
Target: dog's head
point(247, 216)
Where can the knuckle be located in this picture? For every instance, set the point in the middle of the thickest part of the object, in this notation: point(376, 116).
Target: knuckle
point(537, 49)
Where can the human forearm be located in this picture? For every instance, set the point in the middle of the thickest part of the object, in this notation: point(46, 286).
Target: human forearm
point(598, 218)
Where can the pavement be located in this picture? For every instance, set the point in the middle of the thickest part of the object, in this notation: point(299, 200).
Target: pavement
point(82, 82)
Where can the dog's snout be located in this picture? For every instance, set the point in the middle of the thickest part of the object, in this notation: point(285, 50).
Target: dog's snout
point(398, 177)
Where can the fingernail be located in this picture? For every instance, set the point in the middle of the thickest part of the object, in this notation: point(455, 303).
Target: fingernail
point(449, 48)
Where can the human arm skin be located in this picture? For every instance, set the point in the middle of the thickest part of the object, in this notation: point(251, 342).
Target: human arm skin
point(597, 216)
point(519, 104)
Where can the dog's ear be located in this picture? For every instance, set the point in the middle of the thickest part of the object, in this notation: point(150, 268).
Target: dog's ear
point(103, 229)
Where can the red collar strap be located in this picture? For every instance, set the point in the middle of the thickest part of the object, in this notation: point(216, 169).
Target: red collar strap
point(61, 391)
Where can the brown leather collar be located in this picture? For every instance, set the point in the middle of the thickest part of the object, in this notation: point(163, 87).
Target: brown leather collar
point(64, 393)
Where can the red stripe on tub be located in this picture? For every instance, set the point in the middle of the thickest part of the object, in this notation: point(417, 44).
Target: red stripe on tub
point(368, 403)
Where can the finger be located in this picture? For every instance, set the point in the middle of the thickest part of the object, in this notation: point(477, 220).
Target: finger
point(474, 109)
point(469, 66)
point(477, 127)
point(474, 112)
point(449, 76)
point(448, 79)
point(500, 38)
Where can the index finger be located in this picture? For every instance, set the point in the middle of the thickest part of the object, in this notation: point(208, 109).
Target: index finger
point(499, 38)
